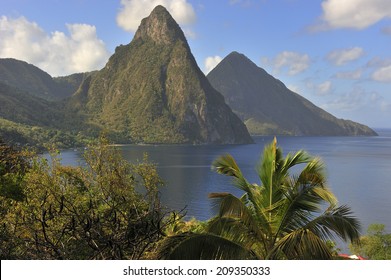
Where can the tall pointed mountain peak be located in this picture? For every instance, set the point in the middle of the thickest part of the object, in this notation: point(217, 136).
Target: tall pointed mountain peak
point(236, 59)
point(267, 106)
point(237, 55)
point(160, 27)
point(152, 91)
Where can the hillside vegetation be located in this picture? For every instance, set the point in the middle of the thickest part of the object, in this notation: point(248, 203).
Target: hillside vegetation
point(268, 107)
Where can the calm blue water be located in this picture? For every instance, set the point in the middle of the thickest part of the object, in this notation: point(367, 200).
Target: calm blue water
point(358, 169)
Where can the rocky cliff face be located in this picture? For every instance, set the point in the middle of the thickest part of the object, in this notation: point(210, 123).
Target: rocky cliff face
point(152, 91)
point(267, 106)
point(159, 27)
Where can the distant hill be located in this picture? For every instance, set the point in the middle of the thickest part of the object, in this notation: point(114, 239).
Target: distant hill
point(152, 91)
point(68, 85)
point(31, 79)
point(267, 106)
point(32, 106)
point(29, 120)
point(21, 107)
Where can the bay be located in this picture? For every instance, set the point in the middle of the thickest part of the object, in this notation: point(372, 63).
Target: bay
point(358, 171)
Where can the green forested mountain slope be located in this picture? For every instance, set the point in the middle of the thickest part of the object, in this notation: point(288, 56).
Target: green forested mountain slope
point(27, 119)
point(29, 78)
point(19, 106)
point(267, 106)
point(152, 91)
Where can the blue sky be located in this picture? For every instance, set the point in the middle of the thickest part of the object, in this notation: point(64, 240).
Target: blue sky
point(336, 53)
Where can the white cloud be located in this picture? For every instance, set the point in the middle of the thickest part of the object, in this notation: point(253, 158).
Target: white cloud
point(363, 105)
point(350, 75)
point(321, 89)
point(383, 74)
point(351, 101)
point(357, 14)
point(324, 88)
point(211, 62)
point(56, 53)
point(358, 99)
point(293, 61)
point(341, 57)
point(189, 33)
point(294, 88)
point(133, 11)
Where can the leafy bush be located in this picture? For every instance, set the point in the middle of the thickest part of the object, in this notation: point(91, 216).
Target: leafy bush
point(106, 209)
point(376, 245)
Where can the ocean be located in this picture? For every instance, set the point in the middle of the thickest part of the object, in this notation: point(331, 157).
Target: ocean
point(358, 171)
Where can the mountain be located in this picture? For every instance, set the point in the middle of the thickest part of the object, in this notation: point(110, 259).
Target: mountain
point(267, 106)
point(31, 79)
point(21, 107)
point(152, 91)
point(32, 106)
point(29, 120)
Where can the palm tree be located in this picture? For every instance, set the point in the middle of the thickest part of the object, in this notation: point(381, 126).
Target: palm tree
point(284, 217)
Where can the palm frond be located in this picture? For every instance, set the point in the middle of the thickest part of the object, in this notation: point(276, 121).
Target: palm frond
point(339, 221)
point(301, 204)
point(301, 244)
point(304, 195)
point(202, 247)
point(227, 165)
point(284, 216)
point(266, 169)
point(234, 230)
point(299, 157)
point(233, 207)
point(269, 172)
point(314, 174)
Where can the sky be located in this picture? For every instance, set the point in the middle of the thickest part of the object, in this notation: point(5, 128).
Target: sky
point(335, 53)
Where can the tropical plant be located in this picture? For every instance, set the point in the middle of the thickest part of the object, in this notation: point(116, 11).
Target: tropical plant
point(285, 217)
point(107, 208)
point(14, 163)
point(376, 245)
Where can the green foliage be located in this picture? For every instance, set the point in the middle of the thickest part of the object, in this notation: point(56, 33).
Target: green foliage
point(68, 85)
point(29, 78)
point(31, 112)
point(107, 209)
point(256, 127)
point(41, 137)
point(202, 246)
point(150, 91)
point(179, 225)
point(22, 107)
point(29, 120)
point(376, 245)
point(13, 166)
point(133, 106)
point(285, 217)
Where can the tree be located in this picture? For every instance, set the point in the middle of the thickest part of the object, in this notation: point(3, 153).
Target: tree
point(13, 166)
point(376, 245)
point(105, 209)
point(285, 217)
